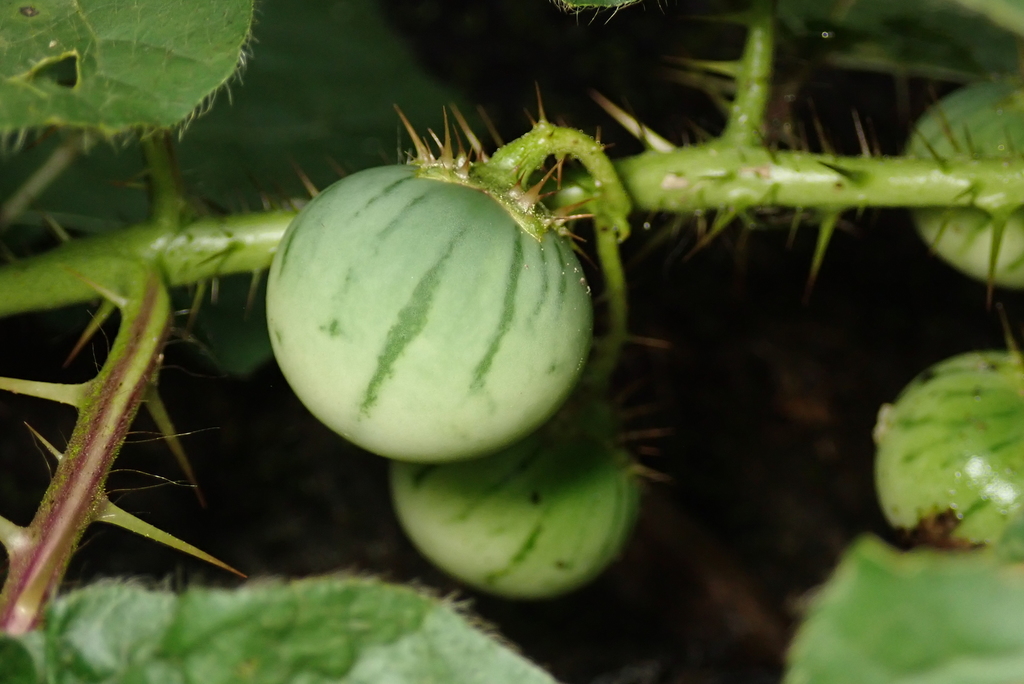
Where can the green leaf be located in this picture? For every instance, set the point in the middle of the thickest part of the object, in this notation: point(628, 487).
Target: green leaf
point(1006, 13)
point(320, 90)
point(930, 38)
point(16, 662)
point(329, 629)
point(111, 66)
point(927, 617)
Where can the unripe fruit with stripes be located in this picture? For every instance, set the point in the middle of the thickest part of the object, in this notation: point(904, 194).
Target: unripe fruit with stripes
point(417, 318)
point(533, 521)
point(984, 119)
point(951, 447)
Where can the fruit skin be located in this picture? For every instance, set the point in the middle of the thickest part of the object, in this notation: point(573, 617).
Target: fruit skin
point(418, 320)
point(988, 118)
point(954, 442)
point(536, 520)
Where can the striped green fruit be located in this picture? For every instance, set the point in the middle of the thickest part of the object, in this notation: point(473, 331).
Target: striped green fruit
point(984, 119)
point(416, 318)
point(533, 521)
point(953, 444)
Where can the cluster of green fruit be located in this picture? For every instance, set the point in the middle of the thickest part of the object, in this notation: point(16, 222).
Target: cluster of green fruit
point(950, 459)
point(415, 313)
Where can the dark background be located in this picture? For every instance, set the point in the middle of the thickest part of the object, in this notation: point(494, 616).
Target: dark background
point(767, 470)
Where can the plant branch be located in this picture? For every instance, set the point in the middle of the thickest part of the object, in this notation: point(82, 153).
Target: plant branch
point(204, 249)
point(710, 176)
point(166, 189)
point(75, 495)
point(754, 78)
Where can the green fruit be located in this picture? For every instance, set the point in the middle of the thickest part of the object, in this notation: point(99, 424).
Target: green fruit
point(534, 521)
point(416, 318)
point(953, 444)
point(988, 120)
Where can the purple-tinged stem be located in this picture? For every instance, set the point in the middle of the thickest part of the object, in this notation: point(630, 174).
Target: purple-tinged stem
point(76, 492)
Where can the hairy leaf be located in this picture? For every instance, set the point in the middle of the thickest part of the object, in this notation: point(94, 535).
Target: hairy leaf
point(927, 617)
point(314, 631)
point(319, 94)
point(111, 66)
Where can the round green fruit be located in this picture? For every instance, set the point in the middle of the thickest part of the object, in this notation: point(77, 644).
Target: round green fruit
point(416, 318)
point(987, 120)
point(952, 446)
point(533, 521)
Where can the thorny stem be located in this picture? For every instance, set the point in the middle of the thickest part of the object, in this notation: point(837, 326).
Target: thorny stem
point(710, 177)
point(204, 249)
point(753, 82)
point(166, 189)
point(75, 494)
point(519, 159)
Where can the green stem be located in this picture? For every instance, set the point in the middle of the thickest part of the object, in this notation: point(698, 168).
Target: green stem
point(204, 249)
point(514, 164)
point(609, 346)
point(75, 495)
point(709, 176)
point(166, 189)
point(753, 82)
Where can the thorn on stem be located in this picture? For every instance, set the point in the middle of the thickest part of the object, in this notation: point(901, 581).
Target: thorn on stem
point(158, 412)
point(541, 115)
point(104, 292)
point(825, 231)
point(104, 311)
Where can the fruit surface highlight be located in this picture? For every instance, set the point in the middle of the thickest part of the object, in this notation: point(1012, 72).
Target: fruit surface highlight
point(952, 445)
point(416, 318)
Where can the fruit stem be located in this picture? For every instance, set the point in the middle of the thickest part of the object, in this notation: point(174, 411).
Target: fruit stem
point(609, 346)
point(514, 164)
point(753, 80)
point(38, 561)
